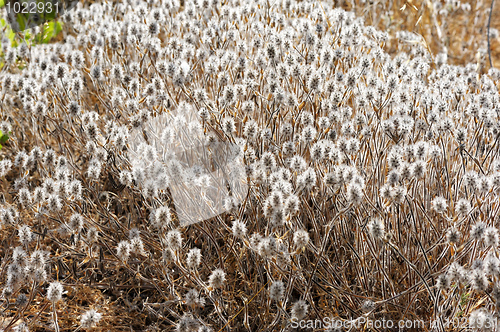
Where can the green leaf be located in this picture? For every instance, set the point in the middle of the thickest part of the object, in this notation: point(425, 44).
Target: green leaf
point(8, 32)
point(3, 137)
point(21, 20)
point(2, 3)
point(464, 298)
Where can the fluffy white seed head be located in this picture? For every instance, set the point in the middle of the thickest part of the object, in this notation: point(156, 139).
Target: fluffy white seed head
point(376, 229)
point(453, 235)
point(239, 228)
point(55, 291)
point(299, 309)
point(439, 205)
point(300, 238)
point(193, 259)
point(123, 250)
point(173, 240)
point(90, 319)
point(217, 279)
point(277, 291)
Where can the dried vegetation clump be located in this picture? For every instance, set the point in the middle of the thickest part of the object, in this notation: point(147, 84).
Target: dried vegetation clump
point(372, 167)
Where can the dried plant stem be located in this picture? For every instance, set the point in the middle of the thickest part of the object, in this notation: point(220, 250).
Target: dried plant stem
point(54, 317)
